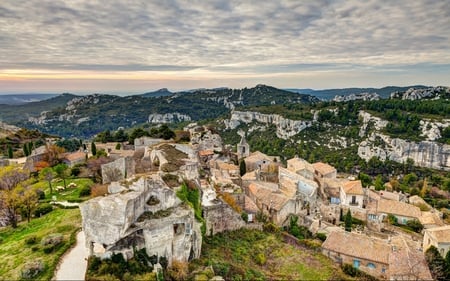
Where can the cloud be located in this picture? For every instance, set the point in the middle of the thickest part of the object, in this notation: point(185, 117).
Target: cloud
point(240, 36)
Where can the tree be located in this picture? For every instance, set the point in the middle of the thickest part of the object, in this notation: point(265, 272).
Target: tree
point(365, 179)
point(436, 263)
point(379, 185)
point(93, 149)
point(11, 176)
point(48, 175)
point(62, 172)
point(118, 146)
point(348, 221)
point(53, 154)
point(26, 152)
point(10, 152)
point(10, 205)
point(29, 200)
point(242, 167)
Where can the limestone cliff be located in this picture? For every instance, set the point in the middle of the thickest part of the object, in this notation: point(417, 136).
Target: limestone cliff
point(168, 118)
point(286, 128)
point(425, 153)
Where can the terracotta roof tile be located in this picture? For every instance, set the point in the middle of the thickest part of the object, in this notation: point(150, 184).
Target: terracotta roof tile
point(357, 245)
point(323, 168)
point(442, 233)
point(398, 208)
point(268, 196)
point(353, 187)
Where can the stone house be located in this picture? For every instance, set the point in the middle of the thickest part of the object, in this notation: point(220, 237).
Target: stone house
point(352, 194)
point(404, 212)
point(142, 142)
point(37, 155)
point(258, 160)
point(118, 170)
point(74, 158)
point(295, 185)
point(332, 189)
point(272, 202)
point(323, 170)
point(205, 156)
point(301, 167)
point(431, 219)
point(438, 237)
point(370, 255)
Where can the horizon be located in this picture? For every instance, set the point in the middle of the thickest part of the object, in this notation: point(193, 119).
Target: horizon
point(85, 47)
point(200, 88)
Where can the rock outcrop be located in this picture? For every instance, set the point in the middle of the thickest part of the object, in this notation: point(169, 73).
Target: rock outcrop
point(361, 96)
point(417, 94)
point(145, 214)
point(168, 118)
point(425, 153)
point(286, 128)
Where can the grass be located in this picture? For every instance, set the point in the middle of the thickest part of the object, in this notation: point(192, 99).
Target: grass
point(255, 255)
point(15, 252)
point(69, 194)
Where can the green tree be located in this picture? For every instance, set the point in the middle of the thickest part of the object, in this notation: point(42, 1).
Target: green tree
point(366, 180)
point(26, 152)
point(29, 200)
point(62, 171)
point(436, 263)
point(242, 167)
point(48, 175)
point(379, 184)
point(348, 221)
point(10, 152)
point(118, 146)
point(93, 149)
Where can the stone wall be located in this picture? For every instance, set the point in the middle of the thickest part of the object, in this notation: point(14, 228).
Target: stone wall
point(221, 217)
point(118, 170)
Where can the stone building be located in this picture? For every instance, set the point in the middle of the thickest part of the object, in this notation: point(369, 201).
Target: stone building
point(243, 148)
point(438, 237)
point(146, 213)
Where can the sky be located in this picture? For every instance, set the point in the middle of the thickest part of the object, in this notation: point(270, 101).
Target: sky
point(108, 46)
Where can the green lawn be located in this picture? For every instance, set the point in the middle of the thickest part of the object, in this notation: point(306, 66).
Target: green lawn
point(69, 194)
point(255, 255)
point(15, 252)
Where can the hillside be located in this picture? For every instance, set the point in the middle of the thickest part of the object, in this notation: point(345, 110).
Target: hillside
point(85, 116)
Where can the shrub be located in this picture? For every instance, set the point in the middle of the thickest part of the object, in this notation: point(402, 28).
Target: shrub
point(244, 216)
point(349, 270)
point(35, 248)
point(321, 236)
point(51, 242)
point(41, 194)
point(31, 240)
point(260, 259)
point(32, 269)
point(43, 209)
point(178, 270)
point(85, 191)
point(99, 190)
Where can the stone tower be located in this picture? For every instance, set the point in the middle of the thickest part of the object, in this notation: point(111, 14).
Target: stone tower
point(243, 148)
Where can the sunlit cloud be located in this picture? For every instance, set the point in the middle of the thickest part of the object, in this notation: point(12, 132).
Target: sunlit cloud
point(204, 42)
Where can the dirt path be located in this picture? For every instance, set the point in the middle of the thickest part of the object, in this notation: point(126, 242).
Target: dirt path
point(73, 264)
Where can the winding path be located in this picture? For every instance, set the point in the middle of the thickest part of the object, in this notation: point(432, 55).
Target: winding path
point(73, 264)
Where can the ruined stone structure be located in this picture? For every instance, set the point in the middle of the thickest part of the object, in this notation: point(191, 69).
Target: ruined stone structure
point(221, 217)
point(118, 170)
point(145, 214)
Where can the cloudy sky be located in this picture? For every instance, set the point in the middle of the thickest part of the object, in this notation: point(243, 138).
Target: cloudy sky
point(85, 46)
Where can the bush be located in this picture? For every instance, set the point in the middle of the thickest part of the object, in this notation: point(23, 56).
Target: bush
point(31, 240)
point(260, 259)
point(85, 191)
point(41, 194)
point(321, 236)
point(349, 270)
point(32, 269)
point(43, 209)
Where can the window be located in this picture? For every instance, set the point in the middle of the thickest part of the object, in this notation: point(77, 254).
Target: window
point(371, 265)
point(356, 263)
point(383, 270)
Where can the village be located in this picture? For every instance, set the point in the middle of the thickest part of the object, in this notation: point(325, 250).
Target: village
point(143, 209)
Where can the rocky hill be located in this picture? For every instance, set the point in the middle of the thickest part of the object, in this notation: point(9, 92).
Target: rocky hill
point(84, 116)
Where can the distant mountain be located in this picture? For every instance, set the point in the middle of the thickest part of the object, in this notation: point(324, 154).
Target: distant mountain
point(329, 94)
point(84, 116)
point(15, 99)
point(14, 114)
point(159, 93)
